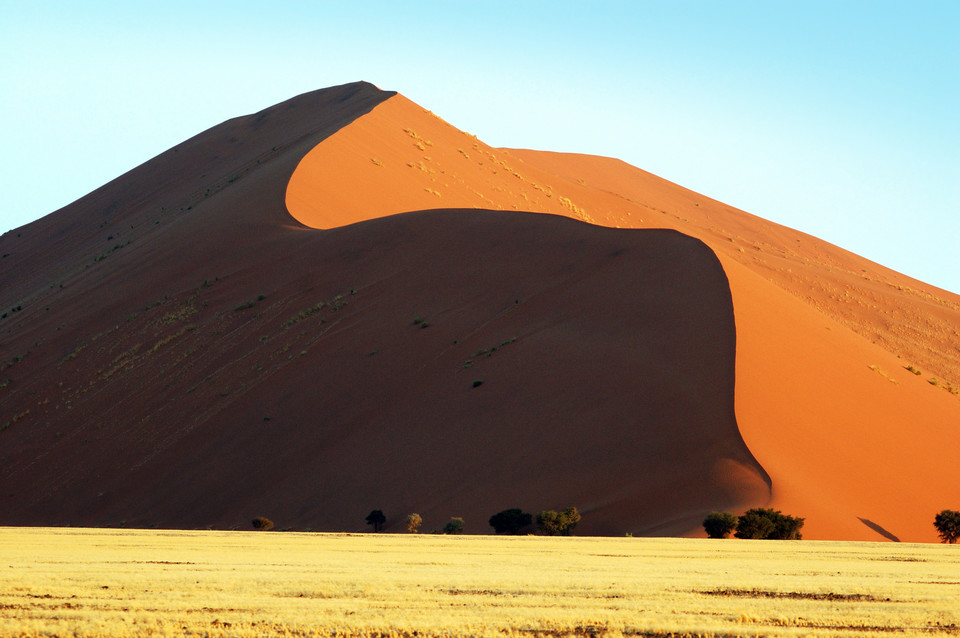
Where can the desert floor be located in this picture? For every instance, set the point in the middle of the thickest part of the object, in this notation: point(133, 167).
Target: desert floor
point(113, 582)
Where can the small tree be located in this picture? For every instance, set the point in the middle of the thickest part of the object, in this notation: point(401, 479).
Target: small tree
point(770, 524)
point(947, 523)
point(511, 521)
point(571, 517)
point(414, 521)
point(719, 524)
point(553, 523)
point(786, 528)
point(454, 526)
point(262, 523)
point(377, 519)
point(754, 525)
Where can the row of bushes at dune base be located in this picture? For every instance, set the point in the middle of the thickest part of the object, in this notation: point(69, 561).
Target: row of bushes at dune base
point(509, 521)
point(754, 523)
point(757, 523)
point(772, 524)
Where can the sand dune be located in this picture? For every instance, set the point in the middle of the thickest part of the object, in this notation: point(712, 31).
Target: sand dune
point(227, 363)
point(583, 398)
point(841, 432)
point(187, 354)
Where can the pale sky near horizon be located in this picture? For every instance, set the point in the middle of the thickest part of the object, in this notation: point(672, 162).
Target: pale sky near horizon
point(840, 119)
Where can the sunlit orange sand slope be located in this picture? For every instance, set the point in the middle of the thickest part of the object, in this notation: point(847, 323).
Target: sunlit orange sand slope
point(851, 438)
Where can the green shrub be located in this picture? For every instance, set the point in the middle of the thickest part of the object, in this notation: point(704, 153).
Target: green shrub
point(454, 526)
point(768, 524)
point(754, 525)
point(719, 524)
point(552, 523)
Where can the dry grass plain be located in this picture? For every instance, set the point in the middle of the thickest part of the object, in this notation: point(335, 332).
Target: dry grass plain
point(117, 582)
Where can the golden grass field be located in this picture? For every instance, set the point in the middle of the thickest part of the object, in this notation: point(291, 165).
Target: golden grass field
point(117, 582)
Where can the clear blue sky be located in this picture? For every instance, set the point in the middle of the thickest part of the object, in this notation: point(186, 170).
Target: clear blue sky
point(837, 118)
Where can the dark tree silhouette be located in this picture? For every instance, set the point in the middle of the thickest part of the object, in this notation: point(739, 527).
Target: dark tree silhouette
point(947, 523)
point(719, 524)
point(511, 521)
point(377, 519)
point(262, 523)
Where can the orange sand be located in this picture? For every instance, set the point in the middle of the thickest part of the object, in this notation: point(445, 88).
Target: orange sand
point(850, 439)
point(225, 363)
point(185, 354)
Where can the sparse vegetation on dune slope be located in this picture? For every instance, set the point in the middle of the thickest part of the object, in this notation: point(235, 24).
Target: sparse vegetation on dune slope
point(85, 582)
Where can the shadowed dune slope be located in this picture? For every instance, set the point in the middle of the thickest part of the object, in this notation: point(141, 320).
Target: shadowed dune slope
point(183, 354)
point(606, 360)
point(824, 397)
